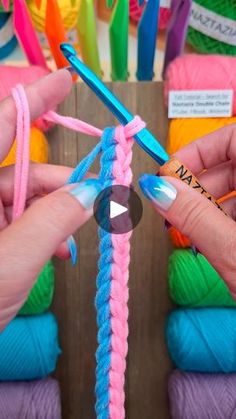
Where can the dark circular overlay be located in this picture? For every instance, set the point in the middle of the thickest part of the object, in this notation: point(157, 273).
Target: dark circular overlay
point(125, 197)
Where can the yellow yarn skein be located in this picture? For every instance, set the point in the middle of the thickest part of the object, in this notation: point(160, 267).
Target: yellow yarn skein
point(69, 14)
point(184, 131)
point(39, 150)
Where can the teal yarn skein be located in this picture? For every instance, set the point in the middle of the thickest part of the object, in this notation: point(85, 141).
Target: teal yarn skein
point(29, 348)
point(206, 24)
point(202, 340)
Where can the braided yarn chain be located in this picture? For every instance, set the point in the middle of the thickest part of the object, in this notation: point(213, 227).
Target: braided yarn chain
point(112, 294)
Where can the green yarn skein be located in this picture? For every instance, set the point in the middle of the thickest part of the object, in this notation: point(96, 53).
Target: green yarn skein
point(204, 43)
point(41, 295)
point(193, 282)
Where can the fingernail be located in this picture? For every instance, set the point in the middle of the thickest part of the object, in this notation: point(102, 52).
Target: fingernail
point(71, 70)
point(195, 250)
point(86, 192)
point(160, 192)
point(167, 225)
point(72, 249)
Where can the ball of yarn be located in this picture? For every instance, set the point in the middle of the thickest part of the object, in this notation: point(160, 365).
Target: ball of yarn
point(202, 340)
point(136, 11)
point(201, 72)
point(202, 396)
point(30, 400)
point(10, 76)
point(29, 348)
point(8, 40)
point(69, 14)
point(39, 149)
point(193, 282)
point(205, 43)
point(184, 131)
point(40, 297)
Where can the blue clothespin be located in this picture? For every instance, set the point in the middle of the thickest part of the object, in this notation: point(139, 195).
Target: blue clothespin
point(147, 35)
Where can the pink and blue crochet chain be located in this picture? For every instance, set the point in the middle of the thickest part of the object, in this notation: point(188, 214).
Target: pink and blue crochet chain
point(115, 149)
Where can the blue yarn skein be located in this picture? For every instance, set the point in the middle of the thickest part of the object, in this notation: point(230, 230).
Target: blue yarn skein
point(203, 340)
point(29, 348)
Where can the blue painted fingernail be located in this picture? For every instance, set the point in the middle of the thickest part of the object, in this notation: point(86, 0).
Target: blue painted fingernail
point(158, 190)
point(86, 192)
point(72, 249)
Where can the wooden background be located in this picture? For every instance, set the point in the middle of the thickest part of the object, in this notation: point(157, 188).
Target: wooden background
point(148, 362)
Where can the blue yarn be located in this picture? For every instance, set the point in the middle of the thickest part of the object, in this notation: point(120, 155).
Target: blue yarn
point(10, 45)
point(107, 147)
point(29, 348)
point(203, 340)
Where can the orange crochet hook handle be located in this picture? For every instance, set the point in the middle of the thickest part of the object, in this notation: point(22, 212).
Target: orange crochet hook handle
point(176, 169)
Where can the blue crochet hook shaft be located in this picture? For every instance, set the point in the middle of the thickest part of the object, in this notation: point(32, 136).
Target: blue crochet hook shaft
point(147, 36)
point(144, 138)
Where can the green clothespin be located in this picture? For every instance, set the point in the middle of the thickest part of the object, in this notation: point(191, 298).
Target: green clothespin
point(118, 31)
point(87, 34)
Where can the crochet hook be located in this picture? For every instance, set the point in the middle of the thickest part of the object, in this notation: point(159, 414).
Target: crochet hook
point(169, 166)
point(147, 36)
point(118, 34)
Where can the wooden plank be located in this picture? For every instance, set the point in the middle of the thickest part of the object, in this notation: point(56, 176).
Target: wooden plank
point(148, 362)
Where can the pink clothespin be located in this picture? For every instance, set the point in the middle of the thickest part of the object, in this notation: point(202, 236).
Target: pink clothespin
point(5, 4)
point(26, 34)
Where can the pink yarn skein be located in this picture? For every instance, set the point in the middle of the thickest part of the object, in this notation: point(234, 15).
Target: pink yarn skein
point(136, 13)
point(201, 72)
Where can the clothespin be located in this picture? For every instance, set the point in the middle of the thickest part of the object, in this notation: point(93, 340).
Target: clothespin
point(26, 34)
point(55, 32)
point(87, 34)
point(177, 30)
point(147, 36)
point(119, 32)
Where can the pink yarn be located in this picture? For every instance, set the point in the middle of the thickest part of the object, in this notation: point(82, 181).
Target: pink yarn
point(136, 13)
point(11, 76)
point(199, 72)
point(120, 274)
point(22, 151)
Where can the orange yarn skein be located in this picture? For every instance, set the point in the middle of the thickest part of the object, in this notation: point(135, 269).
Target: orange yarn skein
point(183, 132)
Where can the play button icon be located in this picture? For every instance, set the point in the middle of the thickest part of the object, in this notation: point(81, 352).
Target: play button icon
point(118, 209)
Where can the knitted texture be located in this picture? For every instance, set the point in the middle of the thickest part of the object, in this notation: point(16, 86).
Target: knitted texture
point(30, 400)
point(29, 348)
point(112, 280)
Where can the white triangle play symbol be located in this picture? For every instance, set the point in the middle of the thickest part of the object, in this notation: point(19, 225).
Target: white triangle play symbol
point(116, 209)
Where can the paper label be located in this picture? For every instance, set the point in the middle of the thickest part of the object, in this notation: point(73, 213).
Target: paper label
point(211, 24)
point(165, 4)
point(200, 103)
point(6, 32)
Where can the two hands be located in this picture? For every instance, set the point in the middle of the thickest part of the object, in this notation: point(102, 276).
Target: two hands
point(27, 244)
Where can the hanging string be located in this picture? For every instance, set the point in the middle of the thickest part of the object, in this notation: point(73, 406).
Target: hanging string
point(112, 295)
